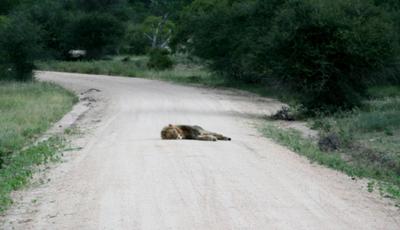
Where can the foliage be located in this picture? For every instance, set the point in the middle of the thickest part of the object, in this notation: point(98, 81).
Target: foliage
point(3, 20)
point(162, 7)
point(97, 5)
point(326, 50)
point(321, 50)
point(96, 33)
point(53, 20)
point(19, 47)
point(135, 41)
point(6, 6)
point(159, 60)
point(229, 34)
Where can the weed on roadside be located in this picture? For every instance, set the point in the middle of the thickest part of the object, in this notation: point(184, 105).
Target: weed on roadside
point(19, 167)
point(389, 179)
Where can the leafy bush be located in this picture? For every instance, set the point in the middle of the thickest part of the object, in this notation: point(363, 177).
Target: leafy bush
point(19, 47)
point(160, 60)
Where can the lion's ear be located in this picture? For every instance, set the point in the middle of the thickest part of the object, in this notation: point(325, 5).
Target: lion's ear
point(169, 125)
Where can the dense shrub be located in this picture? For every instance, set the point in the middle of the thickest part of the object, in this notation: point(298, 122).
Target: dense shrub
point(159, 60)
point(96, 33)
point(231, 34)
point(19, 47)
point(324, 51)
point(52, 19)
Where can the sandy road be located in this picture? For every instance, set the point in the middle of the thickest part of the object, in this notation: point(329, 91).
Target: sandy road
point(125, 177)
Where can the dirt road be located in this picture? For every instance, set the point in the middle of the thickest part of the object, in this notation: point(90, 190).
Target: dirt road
point(125, 177)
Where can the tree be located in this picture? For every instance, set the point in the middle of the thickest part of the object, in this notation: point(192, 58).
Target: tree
point(6, 6)
point(19, 47)
point(162, 7)
point(158, 30)
point(98, 5)
point(97, 33)
point(52, 19)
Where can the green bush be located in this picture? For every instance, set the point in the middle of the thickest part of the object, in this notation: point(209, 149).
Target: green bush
point(19, 47)
point(159, 60)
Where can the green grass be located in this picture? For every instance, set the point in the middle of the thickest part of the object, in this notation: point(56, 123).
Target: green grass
point(26, 111)
point(19, 167)
point(387, 180)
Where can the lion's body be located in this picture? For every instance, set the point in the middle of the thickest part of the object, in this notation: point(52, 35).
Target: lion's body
point(176, 132)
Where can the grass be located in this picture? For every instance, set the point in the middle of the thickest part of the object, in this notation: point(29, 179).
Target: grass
point(20, 167)
point(29, 109)
point(372, 131)
point(370, 140)
point(387, 180)
point(26, 111)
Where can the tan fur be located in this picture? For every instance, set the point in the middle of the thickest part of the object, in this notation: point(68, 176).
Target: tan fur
point(177, 132)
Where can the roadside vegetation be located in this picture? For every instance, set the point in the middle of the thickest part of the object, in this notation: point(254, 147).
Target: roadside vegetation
point(364, 142)
point(19, 168)
point(26, 111)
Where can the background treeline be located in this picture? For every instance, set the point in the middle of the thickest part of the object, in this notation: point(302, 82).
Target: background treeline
point(324, 52)
point(49, 29)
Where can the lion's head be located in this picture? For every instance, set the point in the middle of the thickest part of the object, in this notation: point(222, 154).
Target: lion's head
point(171, 132)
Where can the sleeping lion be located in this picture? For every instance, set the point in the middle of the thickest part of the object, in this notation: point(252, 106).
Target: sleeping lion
point(178, 132)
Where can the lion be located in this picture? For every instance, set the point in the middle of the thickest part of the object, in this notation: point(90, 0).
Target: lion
point(179, 132)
